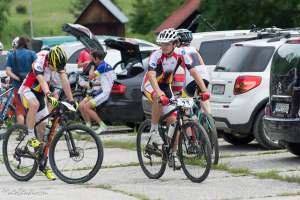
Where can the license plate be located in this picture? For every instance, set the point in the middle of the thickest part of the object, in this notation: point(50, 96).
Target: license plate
point(282, 108)
point(218, 89)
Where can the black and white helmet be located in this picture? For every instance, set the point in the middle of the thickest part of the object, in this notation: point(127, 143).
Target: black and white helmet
point(185, 36)
point(14, 43)
point(167, 35)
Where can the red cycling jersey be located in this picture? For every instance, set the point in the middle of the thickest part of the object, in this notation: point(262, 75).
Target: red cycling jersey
point(39, 66)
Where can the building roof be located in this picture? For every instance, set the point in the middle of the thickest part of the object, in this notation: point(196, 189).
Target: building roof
point(179, 15)
point(112, 8)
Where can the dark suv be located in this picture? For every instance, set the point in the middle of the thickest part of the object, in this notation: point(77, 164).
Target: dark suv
point(282, 116)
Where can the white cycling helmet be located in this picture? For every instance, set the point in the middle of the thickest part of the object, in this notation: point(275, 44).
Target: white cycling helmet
point(167, 35)
point(14, 43)
point(1, 47)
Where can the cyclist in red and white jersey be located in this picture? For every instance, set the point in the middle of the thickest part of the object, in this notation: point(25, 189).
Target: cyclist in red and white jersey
point(190, 86)
point(163, 65)
point(34, 89)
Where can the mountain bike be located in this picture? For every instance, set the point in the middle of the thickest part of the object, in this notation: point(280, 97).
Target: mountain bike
point(194, 148)
point(75, 152)
point(7, 110)
point(208, 123)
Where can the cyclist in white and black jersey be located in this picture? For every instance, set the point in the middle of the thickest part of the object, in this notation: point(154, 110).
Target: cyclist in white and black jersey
point(190, 86)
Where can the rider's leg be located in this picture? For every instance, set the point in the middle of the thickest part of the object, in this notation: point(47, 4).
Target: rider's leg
point(30, 118)
point(41, 128)
point(20, 113)
point(82, 108)
point(155, 112)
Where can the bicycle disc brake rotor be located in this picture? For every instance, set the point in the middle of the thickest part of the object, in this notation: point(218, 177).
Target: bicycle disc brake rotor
point(78, 155)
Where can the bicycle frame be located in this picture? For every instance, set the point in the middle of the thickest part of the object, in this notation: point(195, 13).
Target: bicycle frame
point(10, 93)
point(42, 158)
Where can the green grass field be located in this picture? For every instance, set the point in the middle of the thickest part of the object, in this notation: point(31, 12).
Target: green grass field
point(48, 18)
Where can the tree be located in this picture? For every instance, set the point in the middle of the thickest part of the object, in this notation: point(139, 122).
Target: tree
point(77, 6)
point(4, 8)
point(241, 14)
point(148, 14)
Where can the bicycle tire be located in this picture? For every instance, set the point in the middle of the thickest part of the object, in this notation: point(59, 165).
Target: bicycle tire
point(8, 166)
point(99, 149)
point(161, 169)
point(208, 123)
point(200, 134)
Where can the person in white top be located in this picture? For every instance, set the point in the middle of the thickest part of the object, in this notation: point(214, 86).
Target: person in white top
point(190, 86)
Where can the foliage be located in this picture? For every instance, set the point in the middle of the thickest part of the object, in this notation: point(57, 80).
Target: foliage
point(4, 7)
point(148, 14)
point(77, 7)
point(21, 9)
point(240, 14)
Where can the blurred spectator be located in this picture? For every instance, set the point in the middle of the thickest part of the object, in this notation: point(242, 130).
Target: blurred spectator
point(18, 65)
point(84, 59)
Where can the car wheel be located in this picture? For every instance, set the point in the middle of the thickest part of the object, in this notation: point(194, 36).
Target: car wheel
point(237, 139)
point(261, 135)
point(294, 148)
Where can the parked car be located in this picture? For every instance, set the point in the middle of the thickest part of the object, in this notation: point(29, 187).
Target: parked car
point(124, 104)
point(240, 89)
point(282, 114)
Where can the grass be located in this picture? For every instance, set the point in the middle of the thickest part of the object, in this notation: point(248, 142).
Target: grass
point(119, 144)
point(48, 18)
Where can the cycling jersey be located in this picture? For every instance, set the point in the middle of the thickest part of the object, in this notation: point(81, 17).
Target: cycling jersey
point(167, 65)
point(105, 75)
point(194, 56)
point(39, 67)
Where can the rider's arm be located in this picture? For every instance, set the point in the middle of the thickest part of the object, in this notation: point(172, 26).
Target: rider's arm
point(152, 78)
point(197, 77)
point(92, 74)
point(194, 73)
point(9, 68)
point(11, 74)
point(43, 83)
point(66, 85)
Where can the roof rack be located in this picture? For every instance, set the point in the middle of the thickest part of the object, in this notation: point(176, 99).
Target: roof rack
point(275, 33)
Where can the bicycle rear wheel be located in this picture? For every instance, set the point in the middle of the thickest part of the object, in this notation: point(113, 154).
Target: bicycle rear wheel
point(151, 158)
point(194, 152)
point(16, 153)
point(208, 123)
point(76, 154)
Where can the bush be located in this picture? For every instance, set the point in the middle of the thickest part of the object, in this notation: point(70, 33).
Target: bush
point(21, 9)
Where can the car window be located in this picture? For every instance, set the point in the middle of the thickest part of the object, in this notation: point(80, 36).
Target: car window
point(246, 59)
point(74, 57)
point(285, 69)
point(212, 51)
point(2, 62)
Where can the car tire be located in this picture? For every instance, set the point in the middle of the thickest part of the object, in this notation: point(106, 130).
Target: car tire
point(237, 139)
point(261, 134)
point(294, 148)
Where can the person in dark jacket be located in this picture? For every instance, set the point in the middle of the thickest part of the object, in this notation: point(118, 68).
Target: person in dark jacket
point(18, 65)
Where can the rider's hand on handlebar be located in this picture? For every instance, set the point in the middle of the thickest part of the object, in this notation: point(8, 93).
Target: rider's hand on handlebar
point(164, 100)
point(204, 96)
point(52, 100)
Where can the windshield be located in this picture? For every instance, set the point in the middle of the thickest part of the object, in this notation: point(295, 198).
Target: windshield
point(245, 59)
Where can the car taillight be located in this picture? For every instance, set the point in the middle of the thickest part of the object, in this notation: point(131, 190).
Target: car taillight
point(268, 110)
point(118, 89)
point(245, 83)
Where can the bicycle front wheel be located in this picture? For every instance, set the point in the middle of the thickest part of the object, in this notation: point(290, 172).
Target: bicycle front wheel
point(194, 152)
point(76, 154)
point(151, 158)
point(18, 157)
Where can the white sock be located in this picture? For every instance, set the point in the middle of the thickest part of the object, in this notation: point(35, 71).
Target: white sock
point(31, 133)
